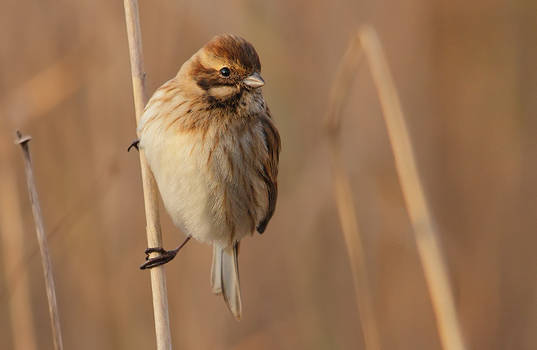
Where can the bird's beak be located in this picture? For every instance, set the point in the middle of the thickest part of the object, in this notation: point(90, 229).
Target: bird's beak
point(254, 81)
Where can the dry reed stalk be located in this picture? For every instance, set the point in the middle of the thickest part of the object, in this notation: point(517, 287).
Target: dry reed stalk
point(154, 235)
point(12, 237)
point(425, 234)
point(42, 240)
point(344, 201)
point(351, 232)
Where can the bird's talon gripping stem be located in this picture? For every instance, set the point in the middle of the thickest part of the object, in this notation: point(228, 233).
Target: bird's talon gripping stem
point(154, 250)
point(164, 257)
point(134, 144)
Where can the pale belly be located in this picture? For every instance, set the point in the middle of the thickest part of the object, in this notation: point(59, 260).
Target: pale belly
point(202, 200)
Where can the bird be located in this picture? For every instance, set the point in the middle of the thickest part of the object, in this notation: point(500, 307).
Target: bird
point(213, 148)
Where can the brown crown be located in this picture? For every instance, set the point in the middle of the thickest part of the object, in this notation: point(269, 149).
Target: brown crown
point(235, 48)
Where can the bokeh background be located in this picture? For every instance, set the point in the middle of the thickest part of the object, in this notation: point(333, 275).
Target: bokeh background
point(467, 79)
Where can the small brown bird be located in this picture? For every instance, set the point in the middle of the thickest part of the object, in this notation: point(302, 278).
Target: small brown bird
point(213, 148)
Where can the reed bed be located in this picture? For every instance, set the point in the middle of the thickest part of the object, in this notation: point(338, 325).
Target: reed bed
point(468, 95)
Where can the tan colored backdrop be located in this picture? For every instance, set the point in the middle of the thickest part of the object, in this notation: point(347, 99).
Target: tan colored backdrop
point(467, 79)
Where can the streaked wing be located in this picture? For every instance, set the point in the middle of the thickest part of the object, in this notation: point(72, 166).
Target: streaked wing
point(269, 171)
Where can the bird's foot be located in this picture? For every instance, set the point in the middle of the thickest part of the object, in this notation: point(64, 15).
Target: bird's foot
point(134, 144)
point(164, 257)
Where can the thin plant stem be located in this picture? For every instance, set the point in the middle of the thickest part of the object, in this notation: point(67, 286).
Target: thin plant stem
point(345, 204)
point(425, 233)
point(154, 235)
point(355, 250)
point(42, 240)
point(13, 244)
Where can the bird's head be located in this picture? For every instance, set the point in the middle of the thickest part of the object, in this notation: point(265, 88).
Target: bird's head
point(226, 67)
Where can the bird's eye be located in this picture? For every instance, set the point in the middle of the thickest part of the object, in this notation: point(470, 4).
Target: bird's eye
point(225, 72)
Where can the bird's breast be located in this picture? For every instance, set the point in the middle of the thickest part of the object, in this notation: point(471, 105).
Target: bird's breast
point(208, 177)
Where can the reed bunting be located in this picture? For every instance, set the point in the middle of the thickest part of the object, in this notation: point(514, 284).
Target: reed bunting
point(212, 146)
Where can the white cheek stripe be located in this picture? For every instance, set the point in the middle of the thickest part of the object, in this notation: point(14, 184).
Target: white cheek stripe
point(223, 91)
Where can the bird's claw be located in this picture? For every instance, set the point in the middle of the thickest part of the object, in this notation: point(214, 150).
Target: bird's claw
point(134, 144)
point(154, 250)
point(164, 257)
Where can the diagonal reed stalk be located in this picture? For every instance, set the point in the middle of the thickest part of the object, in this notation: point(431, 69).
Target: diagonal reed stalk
point(345, 204)
point(154, 235)
point(13, 244)
point(349, 224)
point(427, 241)
point(42, 240)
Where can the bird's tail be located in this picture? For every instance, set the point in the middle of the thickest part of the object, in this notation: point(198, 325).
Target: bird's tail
point(225, 277)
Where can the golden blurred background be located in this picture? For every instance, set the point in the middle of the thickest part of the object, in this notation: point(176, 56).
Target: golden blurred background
point(466, 75)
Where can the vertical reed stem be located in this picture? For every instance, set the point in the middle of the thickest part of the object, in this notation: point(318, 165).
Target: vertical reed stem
point(42, 240)
point(154, 236)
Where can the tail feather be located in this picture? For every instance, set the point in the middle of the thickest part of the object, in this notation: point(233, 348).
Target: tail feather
point(216, 270)
point(225, 277)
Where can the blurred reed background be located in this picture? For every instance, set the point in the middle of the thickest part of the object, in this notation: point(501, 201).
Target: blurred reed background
point(466, 76)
